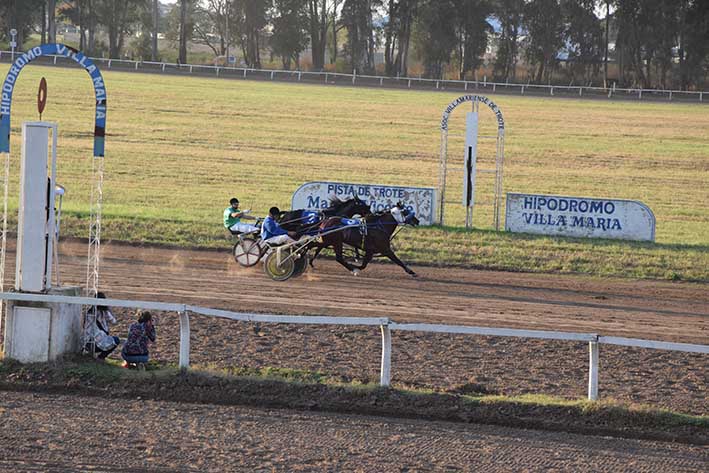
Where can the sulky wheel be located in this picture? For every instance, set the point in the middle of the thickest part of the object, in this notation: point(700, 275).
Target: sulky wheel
point(247, 252)
point(279, 272)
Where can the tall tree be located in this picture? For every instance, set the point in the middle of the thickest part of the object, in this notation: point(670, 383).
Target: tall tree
point(357, 18)
point(51, 21)
point(694, 44)
point(318, 16)
point(212, 22)
point(254, 18)
point(638, 39)
point(436, 37)
point(185, 30)
point(583, 39)
point(509, 13)
point(397, 35)
point(119, 19)
point(23, 15)
point(472, 31)
point(544, 23)
point(290, 36)
point(154, 32)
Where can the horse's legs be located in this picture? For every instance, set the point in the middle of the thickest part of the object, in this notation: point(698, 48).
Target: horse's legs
point(368, 255)
point(318, 249)
point(390, 254)
point(337, 246)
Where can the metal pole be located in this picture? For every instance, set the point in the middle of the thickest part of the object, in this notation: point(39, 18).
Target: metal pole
point(184, 340)
point(13, 43)
point(593, 371)
point(385, 379)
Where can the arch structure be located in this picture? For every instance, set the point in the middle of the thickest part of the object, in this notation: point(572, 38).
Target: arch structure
point(476, 100)
point(98, 151)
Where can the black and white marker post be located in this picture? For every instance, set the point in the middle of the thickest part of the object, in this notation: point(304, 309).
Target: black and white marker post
point(471, 153)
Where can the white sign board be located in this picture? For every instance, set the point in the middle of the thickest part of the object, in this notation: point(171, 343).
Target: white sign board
point(317, 195)
point(579, 217)
point(471, 158)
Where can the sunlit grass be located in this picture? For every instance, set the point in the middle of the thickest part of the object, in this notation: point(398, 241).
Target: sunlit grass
point(178, 148)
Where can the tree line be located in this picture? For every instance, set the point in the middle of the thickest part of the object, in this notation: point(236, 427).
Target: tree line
point(648, 43)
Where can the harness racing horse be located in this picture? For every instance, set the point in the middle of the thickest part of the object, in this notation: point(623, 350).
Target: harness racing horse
point(307, 221)
point(374, 236)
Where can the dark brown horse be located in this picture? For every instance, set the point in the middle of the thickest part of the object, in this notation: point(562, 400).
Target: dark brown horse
point(373, 236)
point(308, 221)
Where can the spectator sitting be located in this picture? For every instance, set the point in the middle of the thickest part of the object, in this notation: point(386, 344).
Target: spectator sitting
point(98, 340)
point(140, 334)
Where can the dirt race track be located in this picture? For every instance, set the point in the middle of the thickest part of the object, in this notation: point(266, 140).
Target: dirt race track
point(52, 433)
point(643, 309)
point(186, 437)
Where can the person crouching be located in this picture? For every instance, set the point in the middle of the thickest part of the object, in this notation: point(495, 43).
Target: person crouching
point(140, 334)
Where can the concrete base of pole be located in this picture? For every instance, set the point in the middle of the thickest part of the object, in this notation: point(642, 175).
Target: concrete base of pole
point(40, 332)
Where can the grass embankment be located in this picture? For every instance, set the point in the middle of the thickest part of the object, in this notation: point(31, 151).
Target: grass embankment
point(178, 148)
point(314, 391)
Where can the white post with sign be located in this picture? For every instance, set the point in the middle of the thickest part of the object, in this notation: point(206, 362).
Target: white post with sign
point(39, 332)
point(13, 43)
point(33, 257)
point(470, 170)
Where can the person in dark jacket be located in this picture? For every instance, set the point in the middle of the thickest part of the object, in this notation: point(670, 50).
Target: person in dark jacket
point(140, 335)
point(272, 232)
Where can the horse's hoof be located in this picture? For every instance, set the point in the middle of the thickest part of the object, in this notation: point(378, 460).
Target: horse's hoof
point(414, 275)
point(355, 272)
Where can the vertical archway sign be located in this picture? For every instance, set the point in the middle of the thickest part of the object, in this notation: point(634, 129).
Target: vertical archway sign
point(8, 86)
point(470, 157)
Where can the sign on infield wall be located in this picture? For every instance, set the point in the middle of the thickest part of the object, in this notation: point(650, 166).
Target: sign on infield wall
point(579, 217)
point(317, 195)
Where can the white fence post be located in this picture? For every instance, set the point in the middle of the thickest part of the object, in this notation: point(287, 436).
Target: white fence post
point(385, 378)
point(55, 60)
point(136, 65)
point(593, 371)
point(184, 340)
point(190, 69)
point(272, 75)
point(163, 67)
point(299, 73)
point(109, 63)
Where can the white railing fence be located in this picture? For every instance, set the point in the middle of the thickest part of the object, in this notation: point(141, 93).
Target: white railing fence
point(378, 81)
point(386, 326)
